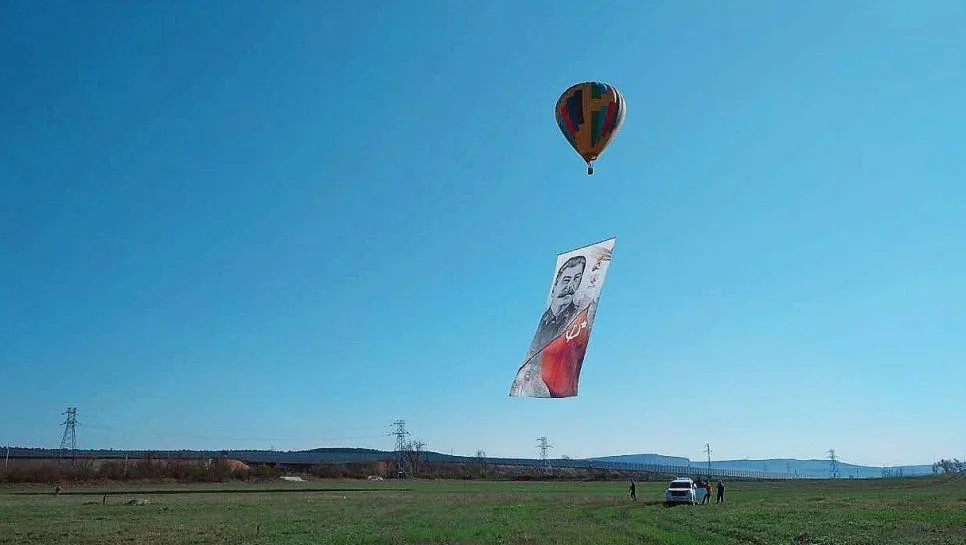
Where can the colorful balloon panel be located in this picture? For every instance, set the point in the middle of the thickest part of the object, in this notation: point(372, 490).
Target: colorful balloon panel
point(589, 114)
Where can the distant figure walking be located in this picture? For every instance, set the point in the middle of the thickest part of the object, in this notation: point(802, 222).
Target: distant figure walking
point(633, 490)
point(721, 491)
point(707, 492)
point(57, 490)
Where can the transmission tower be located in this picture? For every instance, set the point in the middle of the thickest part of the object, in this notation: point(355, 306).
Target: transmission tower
point(401, 434)
point(69, 441)
point(481, 458)
point(833, 465)
point(707, 450)
point(544, 446)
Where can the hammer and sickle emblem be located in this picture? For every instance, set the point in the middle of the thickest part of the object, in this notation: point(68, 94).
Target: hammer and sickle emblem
point(574, 330)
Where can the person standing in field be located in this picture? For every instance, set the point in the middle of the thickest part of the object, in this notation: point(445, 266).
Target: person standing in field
point(707, 492)
point(721, 491)
point(633, 490)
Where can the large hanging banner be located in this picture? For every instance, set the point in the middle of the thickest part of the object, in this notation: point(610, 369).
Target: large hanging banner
point(552, 364)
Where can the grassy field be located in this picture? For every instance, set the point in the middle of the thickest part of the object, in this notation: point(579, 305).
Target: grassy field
point(923, 510)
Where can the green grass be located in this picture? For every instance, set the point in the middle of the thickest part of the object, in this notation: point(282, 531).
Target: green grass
point(910, 511)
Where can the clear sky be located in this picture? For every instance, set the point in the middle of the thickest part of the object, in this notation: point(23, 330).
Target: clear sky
point(288, 224)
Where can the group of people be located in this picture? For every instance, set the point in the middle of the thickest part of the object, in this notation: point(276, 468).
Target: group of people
point(706, 485)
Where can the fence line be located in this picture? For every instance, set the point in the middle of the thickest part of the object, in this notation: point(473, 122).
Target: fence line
point(329, 457)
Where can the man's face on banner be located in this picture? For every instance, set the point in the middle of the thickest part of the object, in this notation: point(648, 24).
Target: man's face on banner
point(566, 286)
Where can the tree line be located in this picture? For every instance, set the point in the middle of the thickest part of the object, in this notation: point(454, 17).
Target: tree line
point(949, 466)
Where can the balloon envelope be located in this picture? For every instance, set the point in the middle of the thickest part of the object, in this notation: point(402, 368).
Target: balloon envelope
point(589, 114)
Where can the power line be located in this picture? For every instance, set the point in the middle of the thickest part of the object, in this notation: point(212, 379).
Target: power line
point(707, 449)
point(401, 447)
point(833, 465)
point(401, 434)
point(544, 447)
point(69, 440)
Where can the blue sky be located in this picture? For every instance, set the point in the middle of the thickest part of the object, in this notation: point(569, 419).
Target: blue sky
point(289, 224)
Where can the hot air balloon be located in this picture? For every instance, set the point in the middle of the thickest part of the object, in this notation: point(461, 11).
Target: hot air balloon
point(589, 115)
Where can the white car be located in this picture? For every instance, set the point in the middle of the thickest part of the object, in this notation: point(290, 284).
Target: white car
point(681, 490)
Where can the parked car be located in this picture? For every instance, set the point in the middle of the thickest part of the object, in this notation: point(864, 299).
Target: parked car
point(681, 490)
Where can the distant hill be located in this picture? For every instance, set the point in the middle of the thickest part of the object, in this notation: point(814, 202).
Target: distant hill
point(346, 449)
point(803, 468)
point(659, 459)
point(674, 464)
